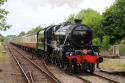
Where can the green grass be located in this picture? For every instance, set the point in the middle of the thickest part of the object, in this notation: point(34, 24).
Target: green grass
point(2, 55)
point(3, 59)
point(113, 64)
point(123, 66)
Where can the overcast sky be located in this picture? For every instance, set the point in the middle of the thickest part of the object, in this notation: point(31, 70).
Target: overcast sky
point(26, 14)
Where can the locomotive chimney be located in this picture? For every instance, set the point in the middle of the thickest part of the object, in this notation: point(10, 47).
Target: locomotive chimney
point(77, 21)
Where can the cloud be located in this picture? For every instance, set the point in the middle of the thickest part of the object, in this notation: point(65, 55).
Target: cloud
point(71, 3)
point(26, 14)
point(98, 5)
point(53, 3)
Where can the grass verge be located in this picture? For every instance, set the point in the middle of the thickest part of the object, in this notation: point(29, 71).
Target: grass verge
point(3, 60)
point(113, 64)
point(2, 55)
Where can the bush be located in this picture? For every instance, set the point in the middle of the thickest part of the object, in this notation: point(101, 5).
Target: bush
point(96, 41)
point(110, 49)
point(106, 43)
point(122, 42)
point(122, 47)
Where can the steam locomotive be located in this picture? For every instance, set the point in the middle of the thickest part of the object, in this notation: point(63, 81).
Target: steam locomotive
point(67, 45)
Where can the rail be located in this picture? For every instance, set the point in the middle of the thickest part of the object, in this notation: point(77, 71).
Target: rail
point(40, 69)
point(21, 68)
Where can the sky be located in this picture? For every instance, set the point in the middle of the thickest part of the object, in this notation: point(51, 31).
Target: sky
point(26, 14)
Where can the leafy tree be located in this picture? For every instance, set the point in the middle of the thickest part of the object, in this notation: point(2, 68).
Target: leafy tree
point(1, 38)
point(106, 43)
point(22, 33)
point(36, 29)
point(9, 38)
point(3, 16)
point(96, 41)
point(122, 47)
point(71, 18)
point(114, 21)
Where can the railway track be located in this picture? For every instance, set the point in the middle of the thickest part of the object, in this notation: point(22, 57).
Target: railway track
point(78, 77)
point(91, 78)
point(21, 67)
point(98, 76)
point(88, 79)
point(83, 79)
point(105, 78)
point(95, 78)
point(109, 75)
point(29, 77)
point(47, 69)
point(108, 80)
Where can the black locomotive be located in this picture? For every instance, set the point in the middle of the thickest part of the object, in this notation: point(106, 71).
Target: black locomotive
point(66, 45)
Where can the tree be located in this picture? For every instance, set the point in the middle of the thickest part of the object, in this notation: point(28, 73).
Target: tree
point(1, 38)
point(106, 43)
point(36, 29)
point(122, 47)
point(22, 33)
point(96, 41)
point(71, 18)
point(93, 19)
point(114, 21)
point(3, 16)
point(9, 38)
